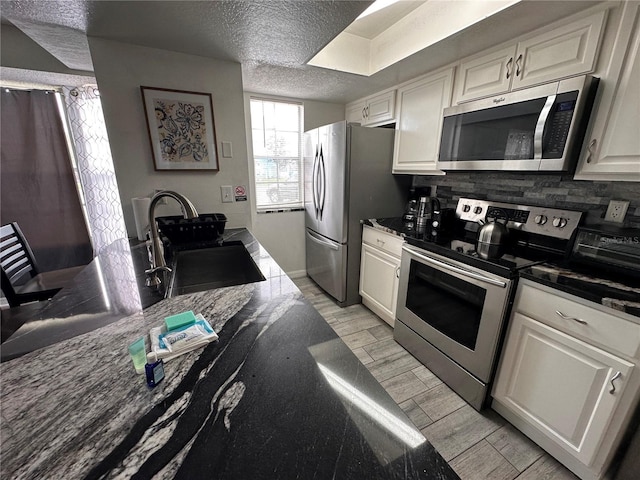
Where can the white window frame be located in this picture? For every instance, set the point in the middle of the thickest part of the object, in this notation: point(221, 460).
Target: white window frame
point(283, 205)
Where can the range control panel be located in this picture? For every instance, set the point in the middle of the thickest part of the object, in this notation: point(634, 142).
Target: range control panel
point(551, 222)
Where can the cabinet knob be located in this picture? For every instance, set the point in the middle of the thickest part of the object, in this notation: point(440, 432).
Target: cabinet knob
point(615, 377)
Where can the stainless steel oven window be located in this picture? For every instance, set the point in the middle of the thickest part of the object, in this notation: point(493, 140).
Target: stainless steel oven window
point(450, 305)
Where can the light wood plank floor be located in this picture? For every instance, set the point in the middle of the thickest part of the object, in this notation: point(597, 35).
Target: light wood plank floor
point(477, 445)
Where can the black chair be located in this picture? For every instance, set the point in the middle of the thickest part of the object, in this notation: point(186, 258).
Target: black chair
point(22, 281)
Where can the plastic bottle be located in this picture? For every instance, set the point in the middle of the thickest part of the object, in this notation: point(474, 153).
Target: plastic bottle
point(154, 369)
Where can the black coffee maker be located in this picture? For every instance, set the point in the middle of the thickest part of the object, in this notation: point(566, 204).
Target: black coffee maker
point(442, 222)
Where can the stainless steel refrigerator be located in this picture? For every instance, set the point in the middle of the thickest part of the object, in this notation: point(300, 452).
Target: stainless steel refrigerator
point(347, 170)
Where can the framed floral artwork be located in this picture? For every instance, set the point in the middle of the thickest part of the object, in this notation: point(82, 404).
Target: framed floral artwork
point(181, 129)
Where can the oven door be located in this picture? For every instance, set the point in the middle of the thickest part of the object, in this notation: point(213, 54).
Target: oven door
point(456, 308)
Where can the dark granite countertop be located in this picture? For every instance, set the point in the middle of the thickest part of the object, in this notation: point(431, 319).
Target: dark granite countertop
point(618, 295)
point(621, 294)
point(278, 396)
point(393, 225)
point(107, 289)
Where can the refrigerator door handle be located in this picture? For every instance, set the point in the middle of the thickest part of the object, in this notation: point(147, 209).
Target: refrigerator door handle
point(314, 176)
point(322, 241)
point(323, 181)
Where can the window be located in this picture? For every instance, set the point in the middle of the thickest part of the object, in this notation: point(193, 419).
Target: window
point(276, 129)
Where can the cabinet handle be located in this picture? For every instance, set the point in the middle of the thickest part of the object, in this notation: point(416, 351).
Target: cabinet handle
point(397, 272)
point(566, 317)
point(615, 377)
point(381, 242)
point(518, 65)
point(364, 112)
point(509, 65)
point(590, 149)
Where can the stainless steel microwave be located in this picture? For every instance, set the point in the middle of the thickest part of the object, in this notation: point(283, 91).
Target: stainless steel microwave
point(535, 129)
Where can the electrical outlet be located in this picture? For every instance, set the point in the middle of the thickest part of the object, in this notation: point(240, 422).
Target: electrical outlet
point(616, 211)
point(227, 193)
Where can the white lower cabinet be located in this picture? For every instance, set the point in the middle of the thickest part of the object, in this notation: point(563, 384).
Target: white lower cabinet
point(560, 385)
point(380, 272)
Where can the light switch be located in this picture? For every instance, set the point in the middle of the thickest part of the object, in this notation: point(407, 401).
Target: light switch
point(227, 149)
point(227, 193)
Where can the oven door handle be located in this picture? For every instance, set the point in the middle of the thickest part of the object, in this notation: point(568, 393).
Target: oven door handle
point(453, 268)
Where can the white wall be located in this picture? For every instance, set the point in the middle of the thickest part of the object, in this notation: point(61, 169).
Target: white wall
point(120, 70)
point(317, 114)
point(282, 234)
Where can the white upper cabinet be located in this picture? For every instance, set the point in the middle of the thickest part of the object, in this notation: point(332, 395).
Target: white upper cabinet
point(375, 110)
point(563, 51)
point(612, 146)
point(485, 76)
point(354, 112)
point(419, 122)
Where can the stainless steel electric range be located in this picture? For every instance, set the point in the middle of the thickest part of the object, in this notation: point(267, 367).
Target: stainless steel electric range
point(453, 303)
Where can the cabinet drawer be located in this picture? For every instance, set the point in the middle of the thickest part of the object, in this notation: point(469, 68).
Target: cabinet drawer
point(580, 318)
point(387, 242)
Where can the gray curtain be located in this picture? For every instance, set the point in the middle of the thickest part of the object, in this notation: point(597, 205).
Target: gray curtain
point(38, 188)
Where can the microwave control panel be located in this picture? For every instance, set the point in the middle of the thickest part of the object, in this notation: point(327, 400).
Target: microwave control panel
point(558, 125)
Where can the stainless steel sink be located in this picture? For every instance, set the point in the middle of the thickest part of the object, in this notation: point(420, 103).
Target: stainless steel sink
point(207, 268)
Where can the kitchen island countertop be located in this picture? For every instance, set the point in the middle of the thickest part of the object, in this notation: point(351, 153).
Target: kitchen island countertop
point(279, 395)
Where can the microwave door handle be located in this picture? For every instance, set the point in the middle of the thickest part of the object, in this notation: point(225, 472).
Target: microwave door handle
point(453, 268)
point(542, 121)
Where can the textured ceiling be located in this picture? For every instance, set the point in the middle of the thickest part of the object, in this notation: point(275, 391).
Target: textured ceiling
point(272, 39)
